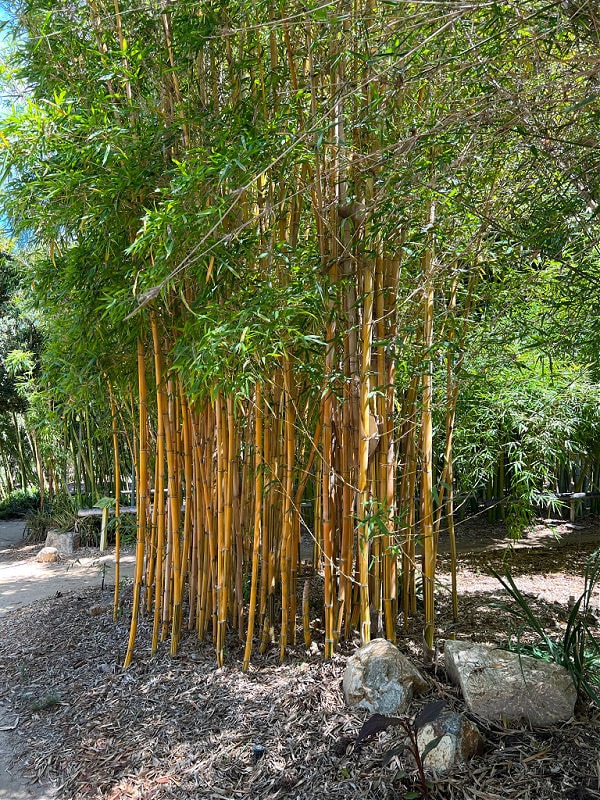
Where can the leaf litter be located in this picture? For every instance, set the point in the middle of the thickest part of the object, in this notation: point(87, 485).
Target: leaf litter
point(171, 728)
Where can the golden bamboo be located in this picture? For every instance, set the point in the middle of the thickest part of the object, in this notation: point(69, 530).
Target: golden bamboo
point(287, 538)
point(117, 477)
point(142, 499)
point(427, 517)
point(363, 452)
point(258, 509)
point(223, 553)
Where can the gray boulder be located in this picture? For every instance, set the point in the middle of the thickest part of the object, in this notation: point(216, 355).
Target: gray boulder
point(380, 679)
point(65, 543)
point(498, 685)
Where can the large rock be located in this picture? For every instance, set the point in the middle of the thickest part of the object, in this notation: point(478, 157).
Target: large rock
point(65, 543)
point(382, 680)
point(498, 685)
point(459, 740)
point(47, 554)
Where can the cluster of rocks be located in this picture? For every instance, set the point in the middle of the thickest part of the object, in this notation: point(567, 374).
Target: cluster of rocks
point(497, 686)
point(57, 545)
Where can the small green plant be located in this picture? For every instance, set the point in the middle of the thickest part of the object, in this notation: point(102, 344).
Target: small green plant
point(411, 728)
point(103, 571)
point(89, 532)
point(578, 650)
point(47, 701)
point(127, 526)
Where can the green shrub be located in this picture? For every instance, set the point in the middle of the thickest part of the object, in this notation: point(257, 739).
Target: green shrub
point(19, 502)
point(36, 526)
point(60, 514)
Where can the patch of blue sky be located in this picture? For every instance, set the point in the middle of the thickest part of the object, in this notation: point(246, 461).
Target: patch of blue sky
point(7, 95)
point(5, 18)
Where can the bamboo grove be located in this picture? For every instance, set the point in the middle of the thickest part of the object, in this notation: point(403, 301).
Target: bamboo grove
point(266, 234)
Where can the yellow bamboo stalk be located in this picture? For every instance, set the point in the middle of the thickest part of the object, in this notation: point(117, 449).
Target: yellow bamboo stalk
point(228, 520)
point(286, 545)
point(198, 559)
point(297, 514)
point(266, 571)
point(117, 470)
point(452, 389)
point(306, 612)
point(450, 412)
point(208, 590)
point(174, 519)
point(327, 478)
point(142, 500)
point(391, 568)
point(223, 534)
point(151, 552)
point(381, 456)
point(347, 523)
point(188, 469)
point(363, 453)
point(350, 441)
point(407, 501)
point(452, 538)
point(159, 506)
point(237, 531)
point(205, 584)
point(258, 492)
point(196, 556)
point(160, 574)
point(427, 519)
point(273, 522)
point(212, 501)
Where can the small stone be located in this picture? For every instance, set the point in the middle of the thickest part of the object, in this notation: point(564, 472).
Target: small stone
point(258, 752)
point(459, 741)
point(97, 611)
point(47, 555)
point(379, 678)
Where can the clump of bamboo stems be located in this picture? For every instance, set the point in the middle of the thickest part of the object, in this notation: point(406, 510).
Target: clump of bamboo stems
point(239, 469)
point(223, 471)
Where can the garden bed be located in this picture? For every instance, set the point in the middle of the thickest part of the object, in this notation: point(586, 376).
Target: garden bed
point(180, 728)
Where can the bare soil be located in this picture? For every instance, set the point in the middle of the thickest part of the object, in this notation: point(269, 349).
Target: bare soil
point(23, 579)
point(177, 727)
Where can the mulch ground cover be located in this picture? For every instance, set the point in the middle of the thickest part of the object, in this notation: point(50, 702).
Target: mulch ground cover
point(178, 727)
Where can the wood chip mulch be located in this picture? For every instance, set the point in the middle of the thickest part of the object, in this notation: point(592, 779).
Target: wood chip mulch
point(173, 728)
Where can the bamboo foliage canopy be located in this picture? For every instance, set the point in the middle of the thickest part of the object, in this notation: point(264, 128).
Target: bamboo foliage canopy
point(270, 230)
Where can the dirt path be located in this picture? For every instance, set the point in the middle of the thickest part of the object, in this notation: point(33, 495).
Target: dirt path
point(23, 581)
point(476, 535)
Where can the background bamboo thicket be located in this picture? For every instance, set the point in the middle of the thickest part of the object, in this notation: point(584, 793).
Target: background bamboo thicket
point(283, 221)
